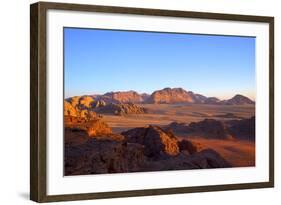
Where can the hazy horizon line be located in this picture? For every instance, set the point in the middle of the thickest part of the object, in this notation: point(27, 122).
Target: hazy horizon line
point(91, 93)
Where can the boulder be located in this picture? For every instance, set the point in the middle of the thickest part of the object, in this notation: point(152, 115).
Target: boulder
point(157, 143)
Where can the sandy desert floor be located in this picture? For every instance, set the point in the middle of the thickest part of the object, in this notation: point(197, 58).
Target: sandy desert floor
point(163, 114)
point(240, 153)
point(237, 152)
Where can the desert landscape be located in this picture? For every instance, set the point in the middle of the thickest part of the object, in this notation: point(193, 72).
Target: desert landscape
point(141, 101)
point(169, 129)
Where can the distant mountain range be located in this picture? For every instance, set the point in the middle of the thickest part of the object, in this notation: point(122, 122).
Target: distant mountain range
point(167, 96)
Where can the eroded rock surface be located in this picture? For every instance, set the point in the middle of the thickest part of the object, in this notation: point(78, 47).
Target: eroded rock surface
point(156, 142)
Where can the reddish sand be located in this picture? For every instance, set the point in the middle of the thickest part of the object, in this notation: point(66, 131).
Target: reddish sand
point(239, 153)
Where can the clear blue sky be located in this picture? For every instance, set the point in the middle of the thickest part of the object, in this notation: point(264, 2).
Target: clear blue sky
point(99, 61)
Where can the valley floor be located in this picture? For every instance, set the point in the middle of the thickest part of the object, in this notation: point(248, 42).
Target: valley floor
point(163, 114)
point(240, 153)
point(237, 152)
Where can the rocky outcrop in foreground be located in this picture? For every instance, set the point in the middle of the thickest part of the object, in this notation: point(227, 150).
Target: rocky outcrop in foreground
point(103, 156)
point(91, 148)
point(156, 142)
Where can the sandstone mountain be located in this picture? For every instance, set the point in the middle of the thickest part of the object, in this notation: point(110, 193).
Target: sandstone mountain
point(179, 95)
point(238, 100)
point(121, 109)
point(75, 109)
point(123, 97)
point(164, 96)
point(171, 95)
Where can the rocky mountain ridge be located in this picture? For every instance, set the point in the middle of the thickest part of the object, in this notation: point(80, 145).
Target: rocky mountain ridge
point(164, 96)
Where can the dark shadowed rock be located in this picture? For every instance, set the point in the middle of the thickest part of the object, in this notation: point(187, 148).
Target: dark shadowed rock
point(208, 158)
point(75, 136)
point(216, 129)
point(103, 156)
point(156, 141)
point(243, 129)
point(177, 127)
point(186, 145)
point(204, 159)
point(209, 128)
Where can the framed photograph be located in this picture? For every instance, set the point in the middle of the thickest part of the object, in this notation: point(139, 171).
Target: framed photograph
point(134, 102)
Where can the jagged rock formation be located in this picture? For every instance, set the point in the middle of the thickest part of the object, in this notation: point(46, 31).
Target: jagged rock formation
point(85, 102)
point(78, 110)
point(121, 109)
point(156, 142)
point(93, 127)
point(123, 97)
point(171, 95)
point(164, 96)
point(179, 95)
point(69, 110)
point(92, 149)
point(97, 128)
